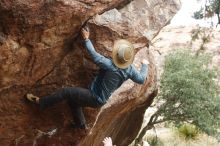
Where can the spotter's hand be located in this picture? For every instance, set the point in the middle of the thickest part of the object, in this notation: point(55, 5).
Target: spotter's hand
point(85, 33)
point(107, 141)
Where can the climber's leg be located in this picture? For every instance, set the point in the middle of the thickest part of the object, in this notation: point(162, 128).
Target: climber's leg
point(79, 98)
point(59, 96)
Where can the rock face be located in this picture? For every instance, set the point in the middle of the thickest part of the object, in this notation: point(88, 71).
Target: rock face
point(41, 51)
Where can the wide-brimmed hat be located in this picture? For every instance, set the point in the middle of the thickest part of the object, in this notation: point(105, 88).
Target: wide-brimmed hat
point(123, 53)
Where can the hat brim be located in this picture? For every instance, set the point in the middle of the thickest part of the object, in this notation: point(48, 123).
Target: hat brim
point(115, 58)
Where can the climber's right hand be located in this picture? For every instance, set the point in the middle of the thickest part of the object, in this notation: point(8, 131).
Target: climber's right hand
point(145, 61)
point(85, 33)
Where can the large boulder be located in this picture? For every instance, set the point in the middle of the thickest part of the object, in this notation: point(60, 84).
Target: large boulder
point(41, 51)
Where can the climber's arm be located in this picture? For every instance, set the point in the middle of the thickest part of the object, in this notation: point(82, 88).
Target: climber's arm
point(99, 59)
point(139, 77)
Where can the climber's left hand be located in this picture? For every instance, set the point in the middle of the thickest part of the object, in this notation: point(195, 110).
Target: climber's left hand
point(85, 33)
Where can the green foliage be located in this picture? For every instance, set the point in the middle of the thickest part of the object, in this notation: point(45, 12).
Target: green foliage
point(188, 131)
point(211, 7)
point(215, 6)
point(189, 93)
point(154, 141)
point(198, 14)
point(208, 10)
point(202, 34)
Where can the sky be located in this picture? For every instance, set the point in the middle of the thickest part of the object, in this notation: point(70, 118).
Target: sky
point(184, 16)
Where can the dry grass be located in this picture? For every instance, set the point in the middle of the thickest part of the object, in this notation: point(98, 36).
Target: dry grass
point(171, 137)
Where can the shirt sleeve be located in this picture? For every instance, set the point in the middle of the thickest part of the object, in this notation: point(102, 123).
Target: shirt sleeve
point(139, 77)
point(99, 59)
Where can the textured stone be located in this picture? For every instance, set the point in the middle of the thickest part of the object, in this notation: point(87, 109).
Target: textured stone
point(41, 51)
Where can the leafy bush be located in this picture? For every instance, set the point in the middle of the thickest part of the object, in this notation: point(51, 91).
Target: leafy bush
point(210, 8)
point(189, 92)
point(154, 141)
point(198, 14)
point(188, 131)
point(203, 34)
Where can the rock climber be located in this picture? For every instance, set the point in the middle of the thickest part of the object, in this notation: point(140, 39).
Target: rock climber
point(113, 72)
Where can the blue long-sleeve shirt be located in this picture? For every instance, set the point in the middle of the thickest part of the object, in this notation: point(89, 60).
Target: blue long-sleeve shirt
point(111, 77)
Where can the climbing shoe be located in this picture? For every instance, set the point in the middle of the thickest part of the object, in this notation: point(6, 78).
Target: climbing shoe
point(32, 98)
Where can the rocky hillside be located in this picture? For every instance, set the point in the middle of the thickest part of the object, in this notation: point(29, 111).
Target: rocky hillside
point(41, 51)
point(181, 37)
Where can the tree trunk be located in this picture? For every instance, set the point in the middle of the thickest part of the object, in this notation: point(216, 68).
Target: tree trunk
point(143, 132)
point(218, 20)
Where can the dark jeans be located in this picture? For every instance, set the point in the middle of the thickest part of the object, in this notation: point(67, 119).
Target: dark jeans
point(76, 98)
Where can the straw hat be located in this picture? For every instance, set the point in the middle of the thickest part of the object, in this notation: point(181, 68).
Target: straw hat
point(123, 53)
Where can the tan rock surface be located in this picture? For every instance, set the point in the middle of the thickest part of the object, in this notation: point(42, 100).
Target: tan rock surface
point(41, 52)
